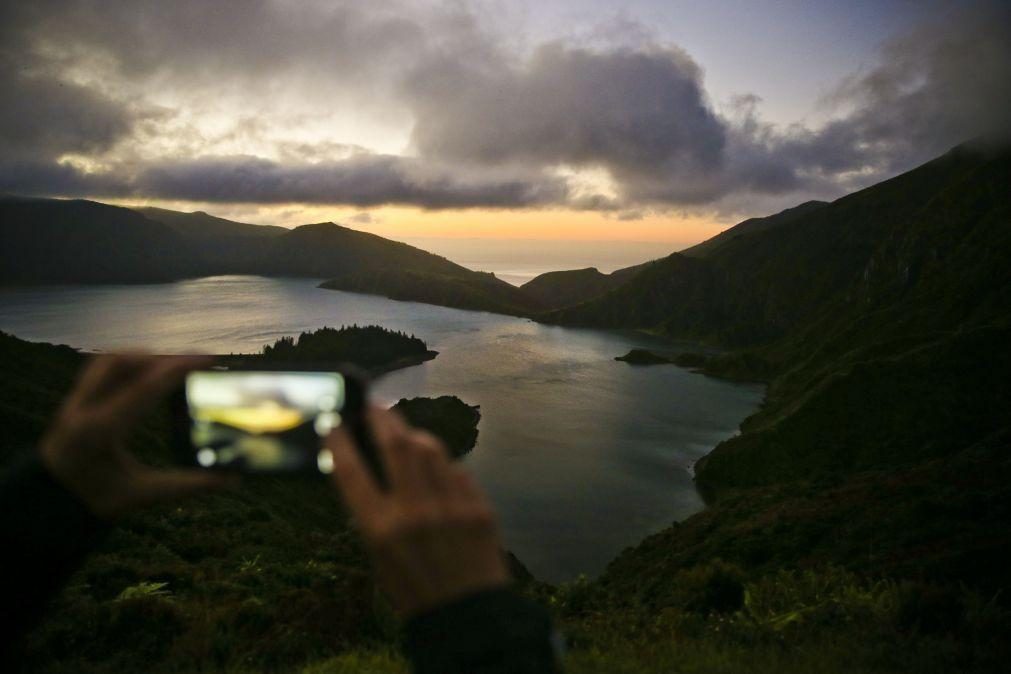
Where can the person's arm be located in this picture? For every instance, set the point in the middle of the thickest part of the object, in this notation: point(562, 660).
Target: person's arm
point(58, 501)
point(435, 545)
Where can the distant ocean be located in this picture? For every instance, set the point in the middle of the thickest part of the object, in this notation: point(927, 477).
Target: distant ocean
point(517, 261)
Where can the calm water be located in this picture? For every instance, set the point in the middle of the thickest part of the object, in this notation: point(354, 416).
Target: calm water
point(582, 455)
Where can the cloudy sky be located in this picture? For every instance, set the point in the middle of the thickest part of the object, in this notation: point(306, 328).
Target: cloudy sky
point(638, 120)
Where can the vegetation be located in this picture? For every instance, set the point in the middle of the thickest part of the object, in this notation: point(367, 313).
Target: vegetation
point(859, 522)
point(264, 577)
point(643, 357)
point(881, 322)
point(558, 289)
point(477, 291)
point(371, 347)
point(447, 417)
point(50, 241)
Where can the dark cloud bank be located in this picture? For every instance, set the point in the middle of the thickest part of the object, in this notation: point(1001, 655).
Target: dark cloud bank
point(490, 126)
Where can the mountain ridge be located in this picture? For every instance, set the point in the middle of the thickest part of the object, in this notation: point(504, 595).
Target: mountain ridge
point(74, 241)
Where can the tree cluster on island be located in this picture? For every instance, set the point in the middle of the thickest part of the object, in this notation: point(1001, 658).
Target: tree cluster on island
point(447, 417)
point(369, 346)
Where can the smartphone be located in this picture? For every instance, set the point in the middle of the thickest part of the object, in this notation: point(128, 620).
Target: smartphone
point(269, 421)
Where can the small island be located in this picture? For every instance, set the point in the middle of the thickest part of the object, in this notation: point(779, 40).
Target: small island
point(369, 347)
point(447, 417)
point(643, 357)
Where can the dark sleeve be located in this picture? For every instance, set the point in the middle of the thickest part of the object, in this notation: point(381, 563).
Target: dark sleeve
point(485, 633)
point(45, 533)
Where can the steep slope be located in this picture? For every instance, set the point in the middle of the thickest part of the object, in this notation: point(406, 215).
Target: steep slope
point(561, 289)
point(752, 226)
point(908, 362)
point(883, 445)
point(556, 289)
point(199, 224)
point(54, 241)
point(477, 291)
point(756, 288)
point(325, 249)
point(360, 262)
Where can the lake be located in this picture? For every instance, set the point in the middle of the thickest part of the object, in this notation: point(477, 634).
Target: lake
point(582, 455)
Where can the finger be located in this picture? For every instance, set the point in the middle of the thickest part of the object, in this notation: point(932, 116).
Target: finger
point(160, 375)
point(433, 462)
point(411, 448)
point(154, 486)
point(464, 486)
point(103, 373)
point(389, 433)
point(353, 479)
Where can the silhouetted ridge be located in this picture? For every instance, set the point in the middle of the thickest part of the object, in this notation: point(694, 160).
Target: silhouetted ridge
point(60, 241)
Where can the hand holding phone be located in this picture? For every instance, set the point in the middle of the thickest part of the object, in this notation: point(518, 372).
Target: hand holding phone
point(269, 422)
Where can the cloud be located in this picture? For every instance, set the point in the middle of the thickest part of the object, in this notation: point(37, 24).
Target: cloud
point(363, 218)
point(255, 102)
point(362, 180)
point(944, 82)
point(630, 111)
point(43, 118)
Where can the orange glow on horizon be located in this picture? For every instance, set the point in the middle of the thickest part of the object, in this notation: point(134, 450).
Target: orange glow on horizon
point(398, 222)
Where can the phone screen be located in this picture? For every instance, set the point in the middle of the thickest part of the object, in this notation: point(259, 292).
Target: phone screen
point(264, 421)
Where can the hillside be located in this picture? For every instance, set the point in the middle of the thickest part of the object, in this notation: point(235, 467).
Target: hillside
point(76, 241)
point(751, 226)
point(56, 241)
point(896, 235)
point(203, 225)
point(558, 289)
point(473, 290)
point(561, 289)
point(881, 322)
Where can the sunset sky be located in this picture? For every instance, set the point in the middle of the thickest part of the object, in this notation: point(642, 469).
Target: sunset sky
point(643, 120)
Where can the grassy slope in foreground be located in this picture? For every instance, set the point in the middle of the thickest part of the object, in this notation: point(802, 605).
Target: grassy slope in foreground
point(270, 578)
point(265, 576)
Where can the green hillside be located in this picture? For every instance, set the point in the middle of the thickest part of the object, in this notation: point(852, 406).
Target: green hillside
point(882, 323)
point(751, 226)
point(556, 289)
point(756, 288)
